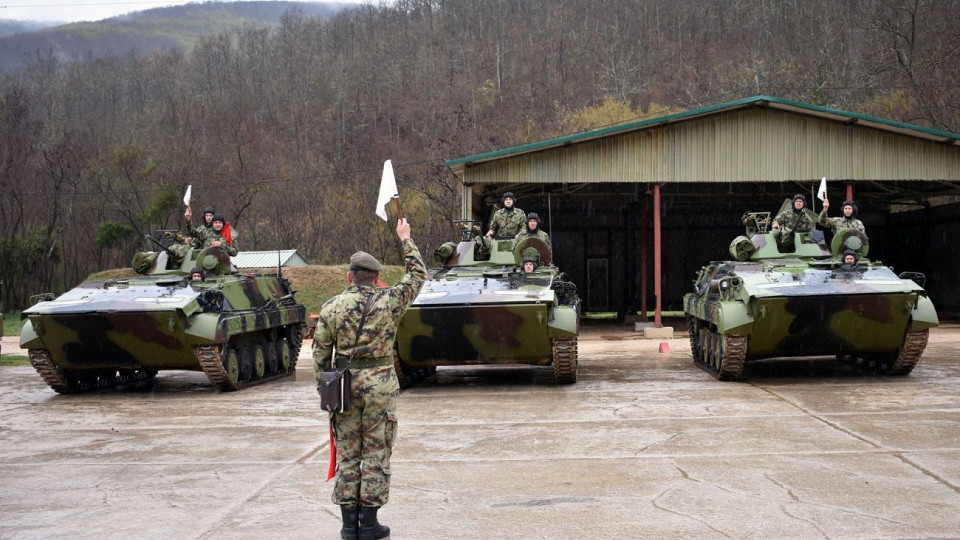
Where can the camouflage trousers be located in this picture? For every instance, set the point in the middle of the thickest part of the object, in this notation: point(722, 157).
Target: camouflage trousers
point(364, 436)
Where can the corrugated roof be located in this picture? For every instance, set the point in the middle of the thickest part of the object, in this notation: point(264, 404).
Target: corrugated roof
point(457, 165)
point(266, 259)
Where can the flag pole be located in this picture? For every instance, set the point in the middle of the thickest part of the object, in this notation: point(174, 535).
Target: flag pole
point(399, 212)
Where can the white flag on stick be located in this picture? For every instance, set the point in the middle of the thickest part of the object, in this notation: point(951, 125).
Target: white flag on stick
point(822, 192)
point(186, 196)
point(388, 189)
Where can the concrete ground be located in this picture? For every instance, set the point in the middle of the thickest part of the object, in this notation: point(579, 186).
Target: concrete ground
point(645, 445)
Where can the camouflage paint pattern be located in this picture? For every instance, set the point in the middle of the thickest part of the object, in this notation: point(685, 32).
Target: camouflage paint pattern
point(155, 321)
point(364, 437)
point(481, 308)
point(506, 223)
point(806, 303)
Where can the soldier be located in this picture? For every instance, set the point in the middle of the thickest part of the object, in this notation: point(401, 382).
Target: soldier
point(849, 257)
point(848, 221)
point(532, 230)
point(197, 274)
point(364, 435)
point(207, 224)
point(507, 221)
point(217, 236)
point(794, 220)
point(529, 265)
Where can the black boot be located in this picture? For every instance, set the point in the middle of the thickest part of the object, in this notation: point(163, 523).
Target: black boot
point(350, 516)
point(370, 528)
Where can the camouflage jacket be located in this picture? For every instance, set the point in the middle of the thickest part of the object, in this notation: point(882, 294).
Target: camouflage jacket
point(209, 236)
point(527, 234)
point(837, 223)
point(199, 230)
point(340, 316)
point(506, 224)
point(791, 223)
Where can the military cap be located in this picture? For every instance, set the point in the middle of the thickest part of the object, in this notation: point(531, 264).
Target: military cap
point(220, 218)
point(209, 210)
point(801, 197)
point(533, 215)
point(510, 195)
point(362, 260)
point(530, 260)
point(851, 204)
point(198, 270)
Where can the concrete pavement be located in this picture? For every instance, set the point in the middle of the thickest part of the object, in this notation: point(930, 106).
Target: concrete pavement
point(645, 445)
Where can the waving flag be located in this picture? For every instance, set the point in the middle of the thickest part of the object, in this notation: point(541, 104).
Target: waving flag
point(186, 196)
point(822, 192)
point(388, 189)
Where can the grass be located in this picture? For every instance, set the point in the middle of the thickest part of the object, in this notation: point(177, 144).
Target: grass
point(12, 323)
point(10, 360)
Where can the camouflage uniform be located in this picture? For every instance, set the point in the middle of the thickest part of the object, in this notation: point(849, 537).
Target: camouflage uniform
point(837, 223)
point(364, 435)
point(209, 236)
point(527, 234)
point(790, 222)
point(507, 223)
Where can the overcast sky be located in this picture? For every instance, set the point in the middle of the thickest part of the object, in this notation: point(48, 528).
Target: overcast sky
point(90, 10)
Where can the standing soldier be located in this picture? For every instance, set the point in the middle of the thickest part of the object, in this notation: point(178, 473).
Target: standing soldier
point(364, 435)
point(848, 221)
point(206, 225)
point(793, 220)
point(532, 230)
point(507, 221)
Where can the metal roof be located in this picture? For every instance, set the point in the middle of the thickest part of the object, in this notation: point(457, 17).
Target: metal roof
point(846, 117)
point(267, 259)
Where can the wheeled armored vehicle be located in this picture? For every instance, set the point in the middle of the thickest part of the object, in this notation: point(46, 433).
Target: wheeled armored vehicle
point(239, 329)
point(481, 307)
point(770, 301)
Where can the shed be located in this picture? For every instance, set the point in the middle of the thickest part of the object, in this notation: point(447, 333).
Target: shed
point(267, 259)
point(664, 196)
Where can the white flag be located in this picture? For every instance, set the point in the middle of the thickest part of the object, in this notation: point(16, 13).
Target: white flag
point(388, 189)
point(822, 192)
point(186, 196)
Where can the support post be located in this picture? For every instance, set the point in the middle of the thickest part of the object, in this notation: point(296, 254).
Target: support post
point(849, 191)
point(643, 260)
point(657, 257)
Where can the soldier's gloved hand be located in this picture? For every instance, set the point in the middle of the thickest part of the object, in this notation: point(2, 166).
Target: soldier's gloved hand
point(403, 229)
point(489, 233)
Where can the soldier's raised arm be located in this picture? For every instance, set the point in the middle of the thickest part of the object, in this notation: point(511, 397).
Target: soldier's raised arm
point(409, 286)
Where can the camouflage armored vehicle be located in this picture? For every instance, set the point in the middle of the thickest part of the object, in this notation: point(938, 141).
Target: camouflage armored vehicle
point(480, 307)
point(772, 302)
point(240, 330)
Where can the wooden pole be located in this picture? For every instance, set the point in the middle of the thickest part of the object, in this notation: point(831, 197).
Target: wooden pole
point(399, 212)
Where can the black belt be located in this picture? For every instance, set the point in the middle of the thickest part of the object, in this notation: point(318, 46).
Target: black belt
point(342, 362)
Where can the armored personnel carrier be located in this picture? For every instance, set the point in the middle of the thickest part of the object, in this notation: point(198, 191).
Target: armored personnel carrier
point(240, 330)
point(770, 302)
point(481, 307)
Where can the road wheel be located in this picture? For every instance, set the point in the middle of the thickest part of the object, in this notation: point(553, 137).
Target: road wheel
point(271, 355)
point(283, 354)
point(259, 362)
point(231, 364)
point(246, 363)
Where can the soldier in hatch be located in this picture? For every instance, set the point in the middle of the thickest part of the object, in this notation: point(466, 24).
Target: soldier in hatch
point(532, 230)
point(794, 219)
point(220, 236)
point(529, 265)
point(207, 225)
point(848, 221)
point(507, 221)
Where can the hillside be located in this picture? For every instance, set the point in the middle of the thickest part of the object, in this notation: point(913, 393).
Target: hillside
point(143, 31)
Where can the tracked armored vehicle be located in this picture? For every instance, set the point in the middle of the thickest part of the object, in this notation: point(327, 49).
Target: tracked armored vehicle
point(480, 307)
point(771, 302)
point(240, 330)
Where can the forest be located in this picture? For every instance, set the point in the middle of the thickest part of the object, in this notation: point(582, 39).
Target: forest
point(285, 129)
